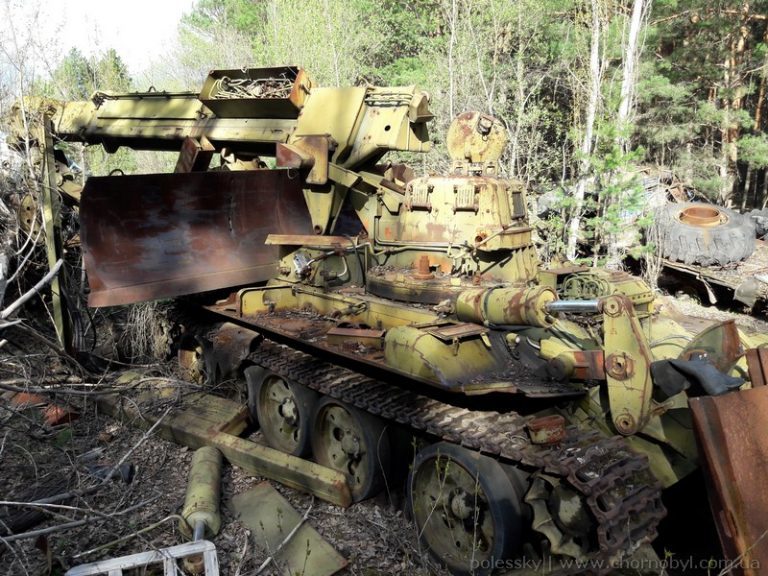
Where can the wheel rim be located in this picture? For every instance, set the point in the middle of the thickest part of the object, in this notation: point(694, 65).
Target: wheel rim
point(339, 443)
point(279, 415)
point(702, 216)
point(452, 513)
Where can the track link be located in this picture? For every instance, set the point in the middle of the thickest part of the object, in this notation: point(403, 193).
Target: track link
point(615, 482)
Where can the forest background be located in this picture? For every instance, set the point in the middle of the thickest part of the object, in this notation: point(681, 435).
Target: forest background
point(590, 90)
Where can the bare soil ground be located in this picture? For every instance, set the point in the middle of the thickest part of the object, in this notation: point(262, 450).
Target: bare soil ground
point(37, 460)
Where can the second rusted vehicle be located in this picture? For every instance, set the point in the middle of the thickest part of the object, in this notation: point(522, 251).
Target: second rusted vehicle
point(549, 407)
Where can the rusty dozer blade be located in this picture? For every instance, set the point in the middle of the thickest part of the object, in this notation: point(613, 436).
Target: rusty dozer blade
point(163, 235)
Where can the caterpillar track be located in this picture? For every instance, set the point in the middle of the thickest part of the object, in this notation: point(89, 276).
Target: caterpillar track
point(623, 497)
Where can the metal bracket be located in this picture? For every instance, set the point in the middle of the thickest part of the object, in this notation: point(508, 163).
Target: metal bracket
point(627, 365)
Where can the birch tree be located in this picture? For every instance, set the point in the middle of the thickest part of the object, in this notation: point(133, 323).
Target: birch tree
point(593, 97)
point(629, 79)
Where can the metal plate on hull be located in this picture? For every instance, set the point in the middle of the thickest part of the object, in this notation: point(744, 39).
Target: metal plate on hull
point(163, 235)
point(309, 332)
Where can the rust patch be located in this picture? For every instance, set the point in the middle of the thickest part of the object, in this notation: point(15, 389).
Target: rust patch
point(620, 366)
point(422, 269)
point(735, 456)
point(757, 363)
point(163, 235)
point(195, 156)
point(719, 344)
point(547, 429)
point(702, 216)
point(363, 340)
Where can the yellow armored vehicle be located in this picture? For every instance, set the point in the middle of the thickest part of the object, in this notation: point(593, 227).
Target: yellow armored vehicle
point(544, 410)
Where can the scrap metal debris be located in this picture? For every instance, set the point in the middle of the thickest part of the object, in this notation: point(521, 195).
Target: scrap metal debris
point(227, 88)
point(283, 535)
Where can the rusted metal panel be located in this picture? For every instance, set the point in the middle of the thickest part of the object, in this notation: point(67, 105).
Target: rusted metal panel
point(164, 235)
point(589, 364)
point(720, 344)
point(757, 362)
point(195, 156)
point(307, 152)
point(313, 240)
point(448, 332)
point(278, 530)
point(547, 429)
point(734, 448)
point(357, 339)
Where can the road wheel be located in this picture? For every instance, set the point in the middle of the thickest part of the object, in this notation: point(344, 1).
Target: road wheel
point(283, 409)
point(699, 233)
point(466, 508)
point(354, 443)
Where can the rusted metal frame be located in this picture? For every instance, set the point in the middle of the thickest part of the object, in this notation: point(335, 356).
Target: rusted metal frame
point(309, 153)
point(309, 240)
point(735, 457)
point(195, 155)
point(52, 223)
point(757, 364)
point(313, 337)
point(239, 297)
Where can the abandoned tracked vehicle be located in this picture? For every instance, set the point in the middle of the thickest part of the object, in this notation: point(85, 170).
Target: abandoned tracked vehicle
point(549, 406)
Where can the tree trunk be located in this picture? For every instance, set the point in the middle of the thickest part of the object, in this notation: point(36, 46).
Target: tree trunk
point(451, 45)
point(623, 117)
point(520, 104)
point(747, 186)
point(758, 199)
point(732, 104)
point(586, 143)
point(629, 79)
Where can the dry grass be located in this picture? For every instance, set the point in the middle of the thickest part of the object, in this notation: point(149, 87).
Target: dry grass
point(147, 332)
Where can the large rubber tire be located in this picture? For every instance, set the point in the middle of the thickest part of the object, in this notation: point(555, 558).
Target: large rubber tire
point(493, 519)
point(699, 233)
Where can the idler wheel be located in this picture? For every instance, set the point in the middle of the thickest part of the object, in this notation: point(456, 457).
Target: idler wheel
point(283, 409)
point(354, 443)
point(467, 509)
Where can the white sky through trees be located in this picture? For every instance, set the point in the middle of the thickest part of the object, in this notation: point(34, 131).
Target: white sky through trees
point(140, 30)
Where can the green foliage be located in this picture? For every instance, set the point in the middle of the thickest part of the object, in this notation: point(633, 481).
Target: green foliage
point(753, 149)
point(77, 78)
point(77, 74)
point(241, 15)
point(405, 32)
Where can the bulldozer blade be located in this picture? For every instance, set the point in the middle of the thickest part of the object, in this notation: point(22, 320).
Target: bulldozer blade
point(734, 451)
point(163, 235)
